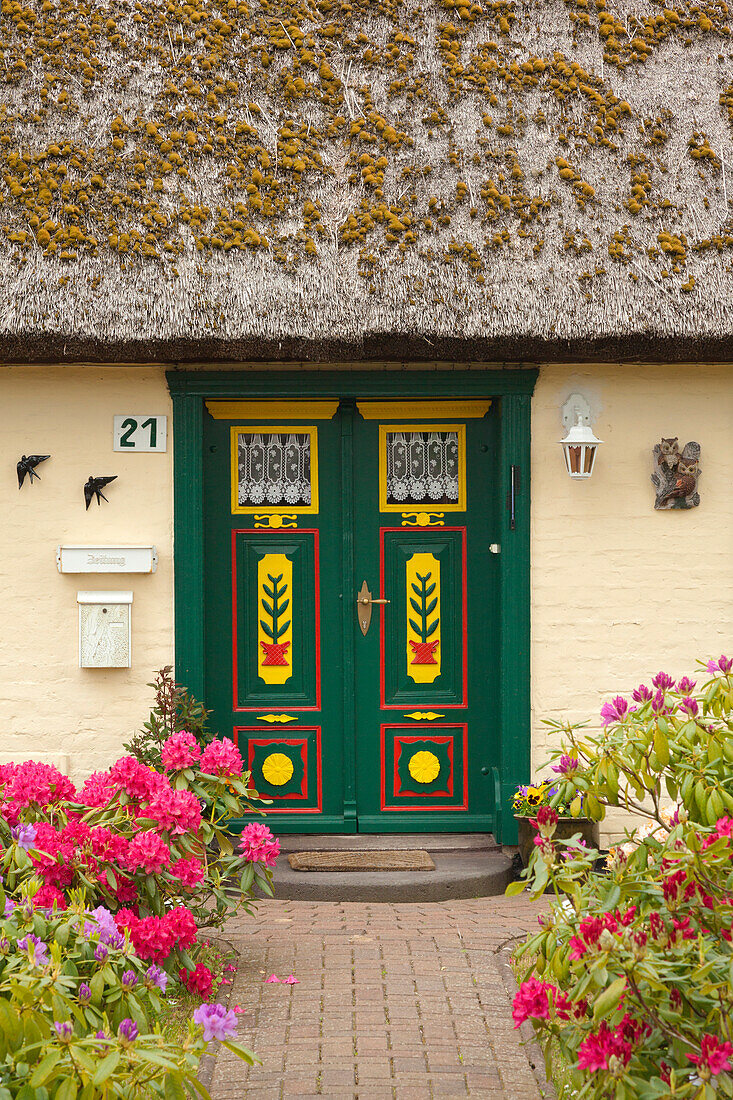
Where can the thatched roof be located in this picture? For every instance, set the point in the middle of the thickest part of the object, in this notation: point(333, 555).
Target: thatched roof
point(366, 177)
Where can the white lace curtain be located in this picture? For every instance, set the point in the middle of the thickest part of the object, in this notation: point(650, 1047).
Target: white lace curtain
point(422, 467)
point(274, 468)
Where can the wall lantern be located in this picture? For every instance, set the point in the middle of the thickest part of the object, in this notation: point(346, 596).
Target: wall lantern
point(580, 444)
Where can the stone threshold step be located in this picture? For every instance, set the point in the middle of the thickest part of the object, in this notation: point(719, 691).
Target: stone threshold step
point(381, 842)
point(470, 873)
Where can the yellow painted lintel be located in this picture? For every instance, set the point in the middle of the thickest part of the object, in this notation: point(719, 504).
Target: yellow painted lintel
point(422, 410)
point(272, 410)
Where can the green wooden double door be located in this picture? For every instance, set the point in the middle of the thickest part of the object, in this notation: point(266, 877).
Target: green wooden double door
point(351, 607)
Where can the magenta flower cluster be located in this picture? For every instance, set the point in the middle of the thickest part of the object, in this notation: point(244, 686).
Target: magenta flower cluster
point(258, 845)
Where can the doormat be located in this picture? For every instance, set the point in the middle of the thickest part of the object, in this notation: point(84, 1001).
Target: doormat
point(417, 860)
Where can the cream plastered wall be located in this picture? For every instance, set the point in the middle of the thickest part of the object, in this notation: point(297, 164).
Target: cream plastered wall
point(52, 710)
point(619, 590)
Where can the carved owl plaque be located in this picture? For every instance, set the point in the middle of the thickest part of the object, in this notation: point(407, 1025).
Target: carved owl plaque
point(676, 473)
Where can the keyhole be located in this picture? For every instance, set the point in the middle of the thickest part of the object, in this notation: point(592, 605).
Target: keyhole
point(213, 449)
point(483, 448)
point(104, 610)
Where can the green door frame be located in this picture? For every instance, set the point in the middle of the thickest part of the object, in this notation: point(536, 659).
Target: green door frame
point(514, 388)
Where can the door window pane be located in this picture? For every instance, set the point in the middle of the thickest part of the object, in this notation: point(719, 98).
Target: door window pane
point(423, 467)
point(275, 470)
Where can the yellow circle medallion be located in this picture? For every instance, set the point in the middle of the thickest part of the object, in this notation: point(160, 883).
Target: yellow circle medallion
point(424, 767)
point(277, 769)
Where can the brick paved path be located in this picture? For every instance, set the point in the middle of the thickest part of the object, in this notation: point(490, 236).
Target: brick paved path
point(394, 1002)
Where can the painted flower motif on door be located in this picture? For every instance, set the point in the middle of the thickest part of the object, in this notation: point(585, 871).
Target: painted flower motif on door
point(274, 625)
point(423, 618)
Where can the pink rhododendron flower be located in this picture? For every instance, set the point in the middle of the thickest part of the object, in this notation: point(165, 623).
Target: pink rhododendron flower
point(533, 1000)
point(723, 664)
point(686, 685)
point(221, 758)
point(180, 750)
point(31, 783)
point(594, 1052)
point(566, 764)
point(140, 782)
point(180, 922)
point(46, 897)
point(190, 872)
point(147, 852)
point(152, 939)
point(99, 789)
point(200, 980)
point(642, 694)
point(714, 1056)
point(615, 711)
point(258, 845)
point(689, 705)
point(663, 681)
point(175, 812)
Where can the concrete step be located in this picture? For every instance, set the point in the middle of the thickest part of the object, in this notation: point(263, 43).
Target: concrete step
point(380, 842)
point(466, 866)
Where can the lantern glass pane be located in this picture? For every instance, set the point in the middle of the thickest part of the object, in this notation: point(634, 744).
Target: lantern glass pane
point(574, 459)
point(590, 454)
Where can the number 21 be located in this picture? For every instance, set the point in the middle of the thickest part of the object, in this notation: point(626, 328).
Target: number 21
point(130, 426)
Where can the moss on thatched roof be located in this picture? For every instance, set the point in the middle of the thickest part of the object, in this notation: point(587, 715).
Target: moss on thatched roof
point(293, 170)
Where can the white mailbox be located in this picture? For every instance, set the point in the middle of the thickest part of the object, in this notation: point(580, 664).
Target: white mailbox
point(105, 629)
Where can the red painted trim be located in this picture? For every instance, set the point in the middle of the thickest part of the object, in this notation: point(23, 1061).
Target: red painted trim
point(317, 600)
point(412, 735)
point(302, 741)
point(382, 657)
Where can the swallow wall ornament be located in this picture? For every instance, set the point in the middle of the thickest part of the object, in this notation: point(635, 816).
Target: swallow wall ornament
point(27, 465)
point(93, 488)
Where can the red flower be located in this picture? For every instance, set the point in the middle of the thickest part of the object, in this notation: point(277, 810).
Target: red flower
point(714, 1056)
point(533, 1000)
point(182, 926)
point(595, 1051)
point(200, 980)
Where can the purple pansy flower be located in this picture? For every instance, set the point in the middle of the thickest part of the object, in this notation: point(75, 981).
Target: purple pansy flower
point(24, 836)
point(217, 1021)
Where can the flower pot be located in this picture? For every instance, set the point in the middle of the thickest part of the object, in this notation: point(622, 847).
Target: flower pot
point(424, 652)
point(275, 653)
point(566, 827)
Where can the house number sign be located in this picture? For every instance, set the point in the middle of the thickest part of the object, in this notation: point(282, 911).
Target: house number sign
point(140, 432)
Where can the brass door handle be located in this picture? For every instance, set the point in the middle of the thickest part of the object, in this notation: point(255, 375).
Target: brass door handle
point(364, 603)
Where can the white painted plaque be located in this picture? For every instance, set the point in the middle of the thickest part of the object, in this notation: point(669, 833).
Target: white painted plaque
point(140, 432)
point(105, 634)
point(106, 559)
